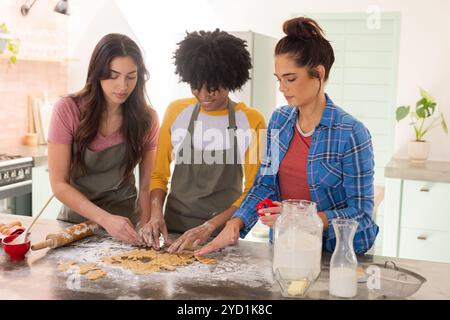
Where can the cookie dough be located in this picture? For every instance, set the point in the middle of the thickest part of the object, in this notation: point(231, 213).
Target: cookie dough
point(95, 274)
point(206, 260)
point(89, 270)
point(65, 265)
point(87, 267)
point(145, 261)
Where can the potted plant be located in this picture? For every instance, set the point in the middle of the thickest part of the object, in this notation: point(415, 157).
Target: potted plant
point(418, 149)
point(8, 43)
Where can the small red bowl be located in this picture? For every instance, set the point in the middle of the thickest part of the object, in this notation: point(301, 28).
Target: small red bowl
point(16, 252)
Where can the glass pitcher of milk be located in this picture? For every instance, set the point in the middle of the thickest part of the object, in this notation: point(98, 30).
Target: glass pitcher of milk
point(297, 241)
point(343, 264)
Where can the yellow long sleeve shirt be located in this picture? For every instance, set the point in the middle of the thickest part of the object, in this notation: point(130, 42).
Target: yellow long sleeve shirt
point(250, 139)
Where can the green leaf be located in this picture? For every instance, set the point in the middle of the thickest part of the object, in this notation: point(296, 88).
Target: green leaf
point(3, 27)
point(444, 125)
point(13, 59)
point(422, 112)
point(402, 112)
point(421, 102)
point(426, 95)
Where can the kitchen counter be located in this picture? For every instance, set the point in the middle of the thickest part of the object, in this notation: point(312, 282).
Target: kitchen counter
point(243, 271)
point(434, 171)
point(38, 153)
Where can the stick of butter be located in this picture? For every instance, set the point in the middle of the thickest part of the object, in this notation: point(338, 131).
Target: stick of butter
point(297, 287)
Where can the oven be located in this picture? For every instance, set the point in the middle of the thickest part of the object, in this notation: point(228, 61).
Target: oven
point(15, 184)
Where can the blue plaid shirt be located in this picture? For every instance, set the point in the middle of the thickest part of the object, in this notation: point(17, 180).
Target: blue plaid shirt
point(340, 170)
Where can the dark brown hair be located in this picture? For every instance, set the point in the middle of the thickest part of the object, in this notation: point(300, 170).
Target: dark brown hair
point(136, 113)
point(306, 44)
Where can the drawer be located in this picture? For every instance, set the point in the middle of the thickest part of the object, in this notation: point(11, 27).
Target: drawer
point(426, 205)
point(423, 244)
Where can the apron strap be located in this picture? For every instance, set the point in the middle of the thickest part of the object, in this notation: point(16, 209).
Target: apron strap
point(232, 127)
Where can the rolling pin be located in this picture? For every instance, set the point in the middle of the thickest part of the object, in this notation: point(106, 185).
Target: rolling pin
point(66, 236)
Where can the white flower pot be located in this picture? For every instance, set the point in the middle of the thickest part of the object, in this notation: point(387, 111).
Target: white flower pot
point(418, 151)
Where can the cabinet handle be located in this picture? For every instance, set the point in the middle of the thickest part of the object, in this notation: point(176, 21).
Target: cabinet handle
point(424, 189)
point(423, 237)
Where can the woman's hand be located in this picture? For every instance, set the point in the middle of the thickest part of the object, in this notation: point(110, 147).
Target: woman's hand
point(121, 228)
point(152, 230)
point(229, 235)
point(192, 238)
point(270, 215)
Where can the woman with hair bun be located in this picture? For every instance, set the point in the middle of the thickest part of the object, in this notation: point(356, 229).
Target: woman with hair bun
point(322, 153)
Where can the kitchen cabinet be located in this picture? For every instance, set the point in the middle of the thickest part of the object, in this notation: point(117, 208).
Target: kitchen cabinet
point(417, 211)
point(41, 192)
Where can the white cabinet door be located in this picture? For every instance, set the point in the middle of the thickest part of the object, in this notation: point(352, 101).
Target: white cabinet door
point(41, 192)
point(425, 205)
point(423, 244)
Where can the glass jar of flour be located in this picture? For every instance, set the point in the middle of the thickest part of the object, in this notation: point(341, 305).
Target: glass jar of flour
point(297, 237)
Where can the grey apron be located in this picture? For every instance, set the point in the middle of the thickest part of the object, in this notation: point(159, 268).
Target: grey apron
point(103, 184)
point(200, 191)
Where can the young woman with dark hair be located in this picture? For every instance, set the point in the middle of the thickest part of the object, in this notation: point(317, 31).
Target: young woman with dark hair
point(99, 135)
point(214, 166)
point(323, 154)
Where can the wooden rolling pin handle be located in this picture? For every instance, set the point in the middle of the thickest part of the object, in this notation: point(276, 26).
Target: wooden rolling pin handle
point(42, 245)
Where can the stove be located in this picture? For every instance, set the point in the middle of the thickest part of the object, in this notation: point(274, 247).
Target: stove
point(15, 175)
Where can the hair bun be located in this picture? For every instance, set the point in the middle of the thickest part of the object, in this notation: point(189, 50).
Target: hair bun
point(302, 28)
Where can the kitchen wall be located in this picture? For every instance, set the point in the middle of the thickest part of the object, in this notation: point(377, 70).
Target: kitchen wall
point(89, 22)
point(423, 52)
point(41, 67)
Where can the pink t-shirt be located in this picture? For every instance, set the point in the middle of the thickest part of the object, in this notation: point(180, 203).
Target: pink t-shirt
point(292, 175)
point(65, 121)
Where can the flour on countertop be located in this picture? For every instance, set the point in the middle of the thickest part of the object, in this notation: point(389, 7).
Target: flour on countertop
point(231, 266)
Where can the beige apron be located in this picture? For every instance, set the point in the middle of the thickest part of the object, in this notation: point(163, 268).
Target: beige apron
point(200, 191)
point(104, 185)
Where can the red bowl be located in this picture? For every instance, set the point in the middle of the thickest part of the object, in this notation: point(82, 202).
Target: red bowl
point(16, 252)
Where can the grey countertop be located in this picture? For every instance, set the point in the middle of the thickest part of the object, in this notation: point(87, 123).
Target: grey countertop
point(38, 153)
point(243, 271)
point(435, 171)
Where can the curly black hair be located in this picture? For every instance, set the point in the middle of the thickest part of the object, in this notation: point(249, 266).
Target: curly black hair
point(215, 59)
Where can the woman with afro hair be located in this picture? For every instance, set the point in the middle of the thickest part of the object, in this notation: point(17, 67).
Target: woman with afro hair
point(211, 140)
